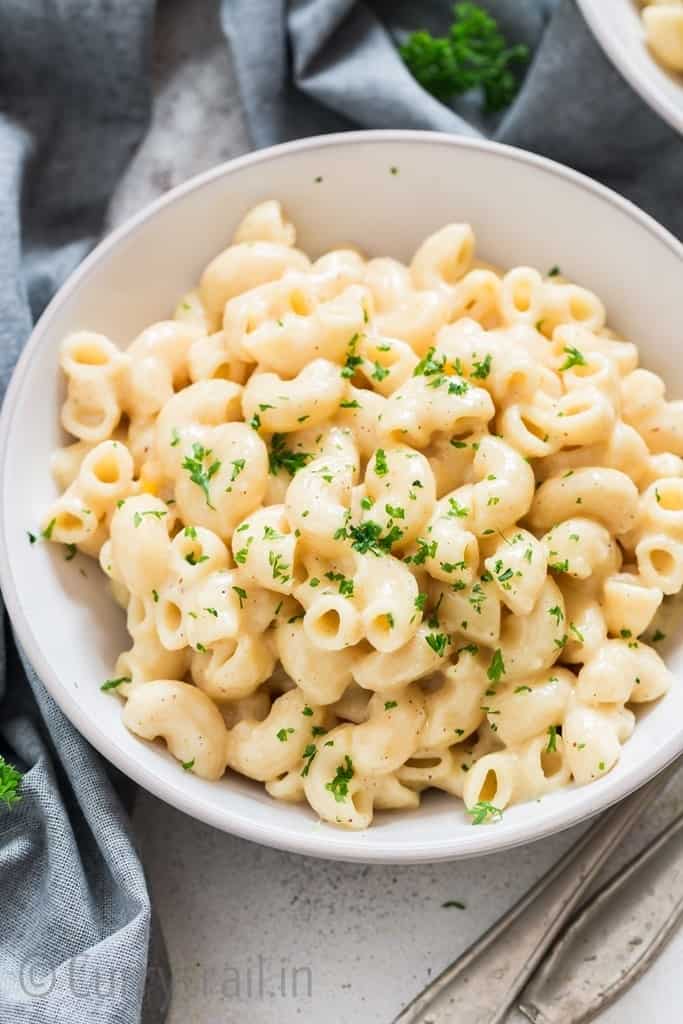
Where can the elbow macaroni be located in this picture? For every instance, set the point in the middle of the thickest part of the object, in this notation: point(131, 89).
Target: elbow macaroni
point(378, 528)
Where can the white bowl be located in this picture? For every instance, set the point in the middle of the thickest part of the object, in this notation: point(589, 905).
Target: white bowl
point(524, 209)
point(617, 26)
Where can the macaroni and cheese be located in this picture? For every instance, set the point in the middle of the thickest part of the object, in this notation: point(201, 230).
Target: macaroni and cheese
point(378, 527)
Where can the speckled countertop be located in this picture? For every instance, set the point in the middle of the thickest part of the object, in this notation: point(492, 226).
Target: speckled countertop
point(271, 938)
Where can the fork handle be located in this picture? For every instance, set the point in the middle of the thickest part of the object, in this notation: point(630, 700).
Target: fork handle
point(482, 984)
point(615, 937)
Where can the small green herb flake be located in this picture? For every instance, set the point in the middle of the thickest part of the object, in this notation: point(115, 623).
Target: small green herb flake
point(381, 466)
point(496, 669)
point(188, 765)
point(310, 750)
point(551, 745)
point(657, 636)
point(390, 704)
point(574, 358)
point(484, 812)
point(70, 552)
point(438, 642)
point(111, 684)
point(47, 532)
point(155, 513)
point(200, 472)
point(554, 271)
point(339, 785)
point(307, 711)
point(31, 537)
point(284, 734)
point(482, 369)
point(282, 457)
point(175, 438)
point(10, 780)
point(453, 904)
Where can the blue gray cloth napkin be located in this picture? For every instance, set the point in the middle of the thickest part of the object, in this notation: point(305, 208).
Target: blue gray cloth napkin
point(78, 942)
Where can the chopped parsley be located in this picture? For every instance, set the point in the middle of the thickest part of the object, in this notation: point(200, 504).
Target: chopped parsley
point(497, 667)
point(339, 785)
point(284, 734)
point(551, 746)
point(282, 457)
point(200, 474)
point(310, 750)
point(10, 780)
point(381, 466)
point(456, 510)
point(111, 684)
point(484, 811)
point(137, 518)
point(482, 369)
point(438, 642)
point(474, 54)
point(574, 358)
point(241, 594)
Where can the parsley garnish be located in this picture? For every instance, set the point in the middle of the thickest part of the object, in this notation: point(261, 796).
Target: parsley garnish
point(473, 54)
point(437, 642)
point(199, 473)
point(188, 765)
point(497, 667)
point(111, 684)
point(389, 704)
point(310, 750)
point(484, 811)
point(282, 457)
point(137, 518)
point(10, 779)
point(381, 467)
point(574, 358)
point(284, 734)
point(551, 747)
point(482, 369)
point(339, 785)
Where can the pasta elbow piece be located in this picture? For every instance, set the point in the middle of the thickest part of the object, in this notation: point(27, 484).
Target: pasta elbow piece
point(281, 406)
point(425, 405)
point(391, 733)
point(186, 718)
point(243, 266)
point(522, 712)
point(664, 33)
point(529, 644)
point(322, 675)
point(140, 545)
point(271, 748)
point(628, 604)
point(492, 779)
point(454, 710)
point(505, 486)
point(387, 591)
point(265, 222)
point(443, 258)
point(607, 495)
point(334, 788)
point(388, 672)
point(623, 671)
point(233, 669)
point(592, 739)
point(581, 548)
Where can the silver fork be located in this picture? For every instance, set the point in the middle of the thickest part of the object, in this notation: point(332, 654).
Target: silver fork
point(483, 983)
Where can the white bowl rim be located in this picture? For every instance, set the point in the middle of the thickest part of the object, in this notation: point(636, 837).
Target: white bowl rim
point(643, 83)
point(328, 844)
